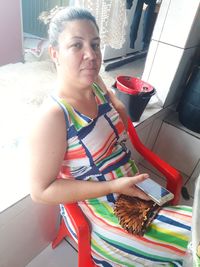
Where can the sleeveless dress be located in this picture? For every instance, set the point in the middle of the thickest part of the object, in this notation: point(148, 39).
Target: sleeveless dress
point(97, 151)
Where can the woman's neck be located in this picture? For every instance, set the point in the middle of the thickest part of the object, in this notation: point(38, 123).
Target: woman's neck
point(67, 90)
point(81, 99)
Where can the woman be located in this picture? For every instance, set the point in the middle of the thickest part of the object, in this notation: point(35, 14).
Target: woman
point(77, 153)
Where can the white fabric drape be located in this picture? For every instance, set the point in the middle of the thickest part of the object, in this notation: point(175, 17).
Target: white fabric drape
point(111, 19)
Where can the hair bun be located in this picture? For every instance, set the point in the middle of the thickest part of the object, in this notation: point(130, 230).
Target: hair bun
point(47, 16)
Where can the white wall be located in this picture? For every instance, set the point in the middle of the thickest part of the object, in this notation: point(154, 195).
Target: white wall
point(11, 32)
point(173, 47)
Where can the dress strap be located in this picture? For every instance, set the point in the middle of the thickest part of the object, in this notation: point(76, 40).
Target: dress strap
point(72, 116)
point(64, 108)
point(101, 96)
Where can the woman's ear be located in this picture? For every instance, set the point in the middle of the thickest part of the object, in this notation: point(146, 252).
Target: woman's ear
point(53, 52)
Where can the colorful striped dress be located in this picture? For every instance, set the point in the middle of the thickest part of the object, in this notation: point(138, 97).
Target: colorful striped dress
point(96, 151)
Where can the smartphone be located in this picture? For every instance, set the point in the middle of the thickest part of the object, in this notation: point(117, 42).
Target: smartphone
point(155, 191)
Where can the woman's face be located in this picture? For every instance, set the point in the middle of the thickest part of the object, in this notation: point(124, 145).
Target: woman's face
point(79, 54)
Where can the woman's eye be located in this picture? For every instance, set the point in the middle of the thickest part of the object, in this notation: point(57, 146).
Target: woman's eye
point(76, 45)
point(96, 46)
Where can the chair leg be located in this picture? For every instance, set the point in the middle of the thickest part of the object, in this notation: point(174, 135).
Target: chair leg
point(62, 233)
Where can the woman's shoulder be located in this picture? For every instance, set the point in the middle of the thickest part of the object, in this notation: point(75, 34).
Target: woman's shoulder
point(48, 117)
point(50, 109)
point(48, 130)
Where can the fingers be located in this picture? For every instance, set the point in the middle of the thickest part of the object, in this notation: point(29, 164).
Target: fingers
point(126, 185)
point(140, 194)
point(140, 177)
point(135, 191)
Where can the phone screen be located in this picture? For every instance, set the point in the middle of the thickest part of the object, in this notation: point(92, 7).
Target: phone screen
point(153, 189)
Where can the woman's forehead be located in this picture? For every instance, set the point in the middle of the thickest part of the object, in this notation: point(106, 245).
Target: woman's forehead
point(80, 29)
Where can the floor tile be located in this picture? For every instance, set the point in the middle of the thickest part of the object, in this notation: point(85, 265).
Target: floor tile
point(62, 256)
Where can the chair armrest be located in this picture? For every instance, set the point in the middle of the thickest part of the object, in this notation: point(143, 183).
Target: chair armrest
point(82, 229)
point(173, 177)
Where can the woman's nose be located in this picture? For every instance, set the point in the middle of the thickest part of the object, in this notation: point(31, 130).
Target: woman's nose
point(89, 53)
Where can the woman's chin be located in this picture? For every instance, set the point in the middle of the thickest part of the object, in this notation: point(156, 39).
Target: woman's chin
point(89, 78)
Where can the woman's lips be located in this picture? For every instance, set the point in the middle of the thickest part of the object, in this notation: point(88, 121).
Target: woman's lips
point(89, 70)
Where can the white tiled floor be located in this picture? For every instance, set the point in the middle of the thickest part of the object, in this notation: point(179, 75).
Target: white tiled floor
point(62, 256)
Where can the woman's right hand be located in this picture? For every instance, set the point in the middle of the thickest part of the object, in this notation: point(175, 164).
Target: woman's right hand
point(126, 186)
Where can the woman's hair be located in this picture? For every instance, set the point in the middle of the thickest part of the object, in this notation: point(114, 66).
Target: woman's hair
point(59, 16)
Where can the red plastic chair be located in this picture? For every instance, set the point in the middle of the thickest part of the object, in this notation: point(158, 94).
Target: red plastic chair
point(174, 184)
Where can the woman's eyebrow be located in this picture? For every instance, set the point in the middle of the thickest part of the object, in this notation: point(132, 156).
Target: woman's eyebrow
point(82, 38)
point(96, 38)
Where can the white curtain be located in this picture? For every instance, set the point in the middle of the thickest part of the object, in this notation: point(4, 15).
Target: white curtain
point(111, 19)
